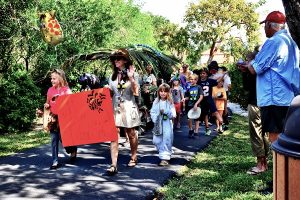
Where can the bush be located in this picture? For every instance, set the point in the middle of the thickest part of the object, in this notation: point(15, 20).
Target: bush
point(19, 98)
point(238, 94)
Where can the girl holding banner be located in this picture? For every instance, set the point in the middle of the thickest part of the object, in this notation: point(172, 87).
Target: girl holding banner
point(59, 87)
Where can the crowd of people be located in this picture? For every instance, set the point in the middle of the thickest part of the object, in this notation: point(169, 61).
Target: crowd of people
point(166, 104)
point(270, 75)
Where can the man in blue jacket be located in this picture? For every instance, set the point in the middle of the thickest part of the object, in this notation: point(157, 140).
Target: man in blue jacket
point(277, 70)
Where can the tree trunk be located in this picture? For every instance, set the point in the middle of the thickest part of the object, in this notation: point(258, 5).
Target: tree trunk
point(292, 11)
point(212, 52)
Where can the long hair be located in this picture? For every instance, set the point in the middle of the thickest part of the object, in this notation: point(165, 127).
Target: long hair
point(62, 77)
point(121, 53)
point(166, 88)
point(124, 72)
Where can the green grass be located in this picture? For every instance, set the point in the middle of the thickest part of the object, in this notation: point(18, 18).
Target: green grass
point(219, 172)
point(16, 142)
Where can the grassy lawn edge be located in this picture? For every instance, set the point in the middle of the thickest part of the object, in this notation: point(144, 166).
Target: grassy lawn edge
point(219, 172)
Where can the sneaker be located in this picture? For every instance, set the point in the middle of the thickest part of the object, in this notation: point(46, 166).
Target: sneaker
point(207, 131)
point(191, 133)
point(210, 124)
point(196, 134)
point(178, 125)
point(225, 127)
point(55, 166)
point(163, 163)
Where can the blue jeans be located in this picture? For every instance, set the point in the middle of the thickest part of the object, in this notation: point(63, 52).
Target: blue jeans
point(55, 138)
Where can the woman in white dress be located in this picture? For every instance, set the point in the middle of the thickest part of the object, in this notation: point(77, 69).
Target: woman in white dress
point(124, 85)
point(162, 114)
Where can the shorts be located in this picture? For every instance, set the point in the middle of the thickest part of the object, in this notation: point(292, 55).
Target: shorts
point(273, 118)
point(207, 106)
point(177, 107)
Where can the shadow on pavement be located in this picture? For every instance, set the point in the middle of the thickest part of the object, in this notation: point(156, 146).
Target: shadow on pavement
point(27, 174)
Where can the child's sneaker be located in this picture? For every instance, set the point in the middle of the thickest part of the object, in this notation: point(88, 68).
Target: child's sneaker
point(207, 131)
point(191, 133)
point(163, 163)
point(223, 127)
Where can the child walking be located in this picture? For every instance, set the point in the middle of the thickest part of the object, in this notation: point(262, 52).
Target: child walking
point(178, 99)
point(208, 105)
point(59, 87)
point(194, 96)
point(220, 97)
point(162, 114)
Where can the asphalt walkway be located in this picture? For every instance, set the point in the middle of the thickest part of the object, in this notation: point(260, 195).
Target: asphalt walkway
point(26, 175)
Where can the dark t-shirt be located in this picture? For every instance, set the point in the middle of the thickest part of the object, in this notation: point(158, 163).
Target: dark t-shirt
point(207, 86)
point(193, 93)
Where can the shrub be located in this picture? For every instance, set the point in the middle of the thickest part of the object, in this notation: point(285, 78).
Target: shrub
point(19, 98)
point(238, 94)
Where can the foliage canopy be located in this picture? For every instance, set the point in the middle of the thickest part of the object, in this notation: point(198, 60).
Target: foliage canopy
point(213, 21)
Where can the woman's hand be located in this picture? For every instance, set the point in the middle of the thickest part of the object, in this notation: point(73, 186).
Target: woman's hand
point(130, 71)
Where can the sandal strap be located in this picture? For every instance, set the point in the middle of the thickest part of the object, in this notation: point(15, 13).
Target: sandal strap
point(132, 163)
point(112, 169)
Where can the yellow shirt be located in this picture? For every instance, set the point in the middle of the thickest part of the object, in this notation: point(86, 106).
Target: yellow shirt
point(220, 102)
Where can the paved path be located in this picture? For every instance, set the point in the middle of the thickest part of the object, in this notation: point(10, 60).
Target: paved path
point(26, 175)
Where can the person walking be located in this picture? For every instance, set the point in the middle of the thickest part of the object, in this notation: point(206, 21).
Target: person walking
point(149, 86)
point(178, 98)
point(193, 96)
point(59, 87)
point(208, 105)
point(124, 84)
point(162, 113)
point(220, 97)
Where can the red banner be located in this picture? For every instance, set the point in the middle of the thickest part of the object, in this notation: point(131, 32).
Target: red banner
point(86, 117)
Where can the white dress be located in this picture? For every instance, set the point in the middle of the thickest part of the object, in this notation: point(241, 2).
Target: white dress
point(163, 142)
point(125, 108)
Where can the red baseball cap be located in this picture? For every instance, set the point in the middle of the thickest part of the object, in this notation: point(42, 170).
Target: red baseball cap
point(275, 16)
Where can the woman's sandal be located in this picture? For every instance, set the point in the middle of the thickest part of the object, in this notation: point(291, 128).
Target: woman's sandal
point(112, 170)
point(132, 163)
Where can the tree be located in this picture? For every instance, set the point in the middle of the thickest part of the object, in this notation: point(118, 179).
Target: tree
point(213, 21)
point(88, 25)
point(292, 10)
point(174, 40)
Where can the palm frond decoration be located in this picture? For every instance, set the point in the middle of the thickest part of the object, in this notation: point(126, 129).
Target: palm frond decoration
point(141, 55)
